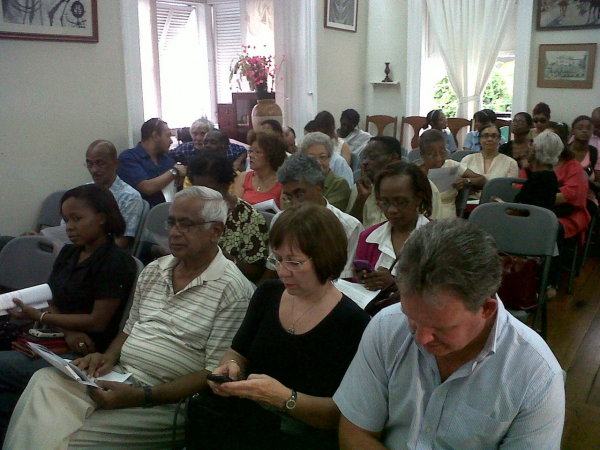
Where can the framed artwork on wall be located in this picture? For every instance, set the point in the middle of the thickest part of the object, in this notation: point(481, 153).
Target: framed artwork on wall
point(341, 14)
point(49, 20)
point(569, 66)
point(553, 15)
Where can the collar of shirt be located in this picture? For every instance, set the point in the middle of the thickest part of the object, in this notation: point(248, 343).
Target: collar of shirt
point(382, 236)
point(142, 153)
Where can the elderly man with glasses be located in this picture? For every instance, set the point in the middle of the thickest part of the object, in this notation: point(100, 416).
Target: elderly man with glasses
point(186, 310)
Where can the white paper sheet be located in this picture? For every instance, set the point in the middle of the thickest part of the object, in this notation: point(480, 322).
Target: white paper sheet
point(443, 178)
point(169, 191)
point(58, 233)
point(36, 296)
point(356, 292)
point(267, 206)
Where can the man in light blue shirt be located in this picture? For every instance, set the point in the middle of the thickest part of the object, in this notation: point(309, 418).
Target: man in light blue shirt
point(449, 368)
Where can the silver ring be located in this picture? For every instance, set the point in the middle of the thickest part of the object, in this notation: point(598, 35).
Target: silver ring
point(81, 344)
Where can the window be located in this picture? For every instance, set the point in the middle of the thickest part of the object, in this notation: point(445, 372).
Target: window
point(228, 44)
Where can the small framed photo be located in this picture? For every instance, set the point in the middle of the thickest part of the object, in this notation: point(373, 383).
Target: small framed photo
point(554, 15)
point(341, 14)
point(567, 66)
point(49, 20)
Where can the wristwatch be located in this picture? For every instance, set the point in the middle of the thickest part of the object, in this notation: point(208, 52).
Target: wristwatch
point(291, 402)
point(470, 182)
point(148, 403)
point(174, 172)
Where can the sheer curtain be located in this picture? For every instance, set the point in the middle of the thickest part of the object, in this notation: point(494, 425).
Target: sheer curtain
point(469, 34)
point(295, 55)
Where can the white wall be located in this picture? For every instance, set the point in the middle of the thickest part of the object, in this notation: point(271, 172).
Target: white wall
point(55, 99)
point(341, 62)
point(566, 104)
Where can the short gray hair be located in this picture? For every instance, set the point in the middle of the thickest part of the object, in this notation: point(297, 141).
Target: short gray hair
point(548, 147)
point(301, 167)
point(452, 255)
point(215, 208)
point(203, 122)
point(316, 138)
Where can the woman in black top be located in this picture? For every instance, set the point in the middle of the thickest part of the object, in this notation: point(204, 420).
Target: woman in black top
point(90, 282)
point(300, 333)
point(519, 147)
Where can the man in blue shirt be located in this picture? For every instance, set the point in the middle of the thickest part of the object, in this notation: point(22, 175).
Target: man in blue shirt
point(148, 167)
point(449, 367)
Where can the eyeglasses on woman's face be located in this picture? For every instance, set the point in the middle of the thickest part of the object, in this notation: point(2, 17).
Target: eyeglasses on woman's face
point(291, 265)
point(486, 136)
point(385, 204)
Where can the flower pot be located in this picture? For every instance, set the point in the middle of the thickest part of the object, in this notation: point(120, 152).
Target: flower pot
point(265, 109)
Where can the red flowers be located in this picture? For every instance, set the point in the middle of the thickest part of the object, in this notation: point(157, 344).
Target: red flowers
point(256, 69)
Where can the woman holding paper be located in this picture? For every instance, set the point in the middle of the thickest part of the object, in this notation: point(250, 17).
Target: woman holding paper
point(90, 283)
point(433, 151)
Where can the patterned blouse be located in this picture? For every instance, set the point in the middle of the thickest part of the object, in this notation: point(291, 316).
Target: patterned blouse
point(246, 233)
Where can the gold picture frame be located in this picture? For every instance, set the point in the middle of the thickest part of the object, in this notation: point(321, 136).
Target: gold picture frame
point(566, 66)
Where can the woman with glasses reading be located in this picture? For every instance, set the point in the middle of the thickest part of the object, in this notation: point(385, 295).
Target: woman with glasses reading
point(298, 338)
point(404, 196)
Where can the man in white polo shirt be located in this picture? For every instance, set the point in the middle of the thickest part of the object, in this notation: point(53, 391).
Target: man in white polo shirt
point(449, 367)
point(186, 310)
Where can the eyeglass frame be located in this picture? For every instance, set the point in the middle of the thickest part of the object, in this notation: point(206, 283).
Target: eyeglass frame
point(296, 265)
point(396, 204)
point(490, 136)
point(170, 223)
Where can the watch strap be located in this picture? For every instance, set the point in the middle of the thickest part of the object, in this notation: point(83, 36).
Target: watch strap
point(148, 403)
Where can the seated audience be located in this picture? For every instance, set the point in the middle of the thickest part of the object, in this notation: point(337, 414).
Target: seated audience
point(186, 309)
point(148, 167)
point(244, 240)
point(338, 165)
point(290, 139)
point(303, 181)
point(519, 147)
point(437, 120)
point(90, 283)
point(259, 184)
point(335, 189)
point(271, 126)
point(587, 155)
point(541, 118)
point(325, 123)
point(433, 151)
point(356, 138)
point(404, 195)
point(299, 335)
point(381, 151)
point(489, 162)
point(480, 120)
point(449, 367)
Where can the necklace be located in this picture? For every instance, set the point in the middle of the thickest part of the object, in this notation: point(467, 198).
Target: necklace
point(292, 329)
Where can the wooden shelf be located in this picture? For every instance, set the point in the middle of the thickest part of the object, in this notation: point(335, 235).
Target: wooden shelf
point(388, 83)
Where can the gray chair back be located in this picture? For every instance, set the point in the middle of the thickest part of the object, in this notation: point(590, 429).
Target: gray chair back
point(140, 228)
point(154, 227)
point(268, 217)
point(354, 161)
point(139, 267)
point(504, 188)
point(357, 174)
point(27, 261)
point(459, 155)
point(49, 215)
point(414, 155)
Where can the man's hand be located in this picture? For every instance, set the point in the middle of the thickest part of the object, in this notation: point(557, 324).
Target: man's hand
point(377, 280)
point(79, 343)
point(181, 169)
point(117, 395)
point(96, 364)
point(363, 187)
point(26, 313)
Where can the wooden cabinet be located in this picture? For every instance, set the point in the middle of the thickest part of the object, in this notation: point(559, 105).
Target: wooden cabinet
point(236, 118)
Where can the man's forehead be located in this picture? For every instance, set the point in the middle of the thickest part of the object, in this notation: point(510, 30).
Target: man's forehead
point(99, 153)
point(186, 207)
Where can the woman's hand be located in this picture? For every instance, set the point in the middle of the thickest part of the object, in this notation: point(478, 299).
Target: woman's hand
point(460, 183)
point(230, 369)
point(117, 395)
point(259, 388)
point(79, 343)
point(96, 364)
point(377, 280)
point(26, 313)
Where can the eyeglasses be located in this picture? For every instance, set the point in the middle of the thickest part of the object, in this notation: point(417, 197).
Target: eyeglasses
point(183, 225)
point(434, 155)
point(99, 164)
point(292, 266)
point(298, 196)
point(398, 204)
point(520, 121)
point(321, 157)
point(256, 152)
point(540, 120)
point(490, 136)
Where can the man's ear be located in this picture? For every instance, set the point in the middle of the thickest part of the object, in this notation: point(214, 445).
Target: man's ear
point(217, 231)
point(489, 307)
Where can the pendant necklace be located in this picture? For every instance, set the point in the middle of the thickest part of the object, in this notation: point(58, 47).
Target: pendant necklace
point(292, 329)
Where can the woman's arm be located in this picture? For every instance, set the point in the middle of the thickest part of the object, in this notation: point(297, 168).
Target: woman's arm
point(345, 152)
point(238, 185)
point(96, 321)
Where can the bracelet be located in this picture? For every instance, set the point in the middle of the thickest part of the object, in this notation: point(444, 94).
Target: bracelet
point(41, 321)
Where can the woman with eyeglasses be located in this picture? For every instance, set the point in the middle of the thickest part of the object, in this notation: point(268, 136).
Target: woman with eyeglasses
point(541, 118)
point(404, 196)
point(267, 154)
point(489, 162)
point(298, 338)
point(90, 283)
point(335, 188)
point(519, 148)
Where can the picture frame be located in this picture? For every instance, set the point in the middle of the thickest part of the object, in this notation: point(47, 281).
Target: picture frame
point(556, 15)
point(49, 20)
point(341, 15)
point(566, 66)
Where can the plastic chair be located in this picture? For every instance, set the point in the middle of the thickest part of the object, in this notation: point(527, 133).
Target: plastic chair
point(268, 217)
point(140, 228)
point(354, 161)
point(27, 261)
point(417, 123)
point(139, 267)
point(154, 231)
point(49, 215)
point(531, 235)
point(380, 122)
point(459, 155)
point(503, 188)
point(455, 125)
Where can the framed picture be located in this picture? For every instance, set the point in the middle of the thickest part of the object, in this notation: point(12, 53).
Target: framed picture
point(567, 14)
point(49, 20)
point(341, 14)
point(569, 66)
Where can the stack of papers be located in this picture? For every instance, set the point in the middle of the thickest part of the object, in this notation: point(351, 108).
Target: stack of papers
point(356, 292)
point(36, 297)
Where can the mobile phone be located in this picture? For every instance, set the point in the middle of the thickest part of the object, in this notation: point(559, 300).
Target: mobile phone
point(218, 378)
point(46, 333)
point(362, 264)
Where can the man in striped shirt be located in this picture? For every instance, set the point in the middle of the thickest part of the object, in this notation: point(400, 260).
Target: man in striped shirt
point(449, 367)
point(186, 309)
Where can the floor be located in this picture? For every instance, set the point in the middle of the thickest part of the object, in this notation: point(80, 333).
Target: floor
point(574, 337)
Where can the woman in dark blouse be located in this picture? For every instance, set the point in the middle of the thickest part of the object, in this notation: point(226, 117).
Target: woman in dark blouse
point(90, 283)
point(300, 333)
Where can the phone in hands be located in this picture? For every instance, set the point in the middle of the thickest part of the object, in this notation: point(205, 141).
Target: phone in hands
point(218, 378)
point(362, 264)
point(46, 333)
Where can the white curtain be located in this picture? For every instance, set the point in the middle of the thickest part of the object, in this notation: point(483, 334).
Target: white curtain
point(469, 34)
point(295, 55)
